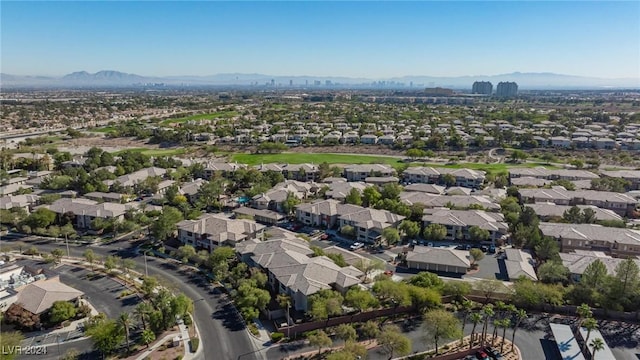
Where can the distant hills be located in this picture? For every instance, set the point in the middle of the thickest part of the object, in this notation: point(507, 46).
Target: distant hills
point(110, 78)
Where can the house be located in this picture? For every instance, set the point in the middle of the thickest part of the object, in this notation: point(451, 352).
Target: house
point(560, 142)
point(369, 223)
point(529, 181)
point(212, 230)
point(301, 172)
point(211, 169)
point(549, 211)
point(633, 176)
point(340, 190)
point(104, 197)
point(136, 177)
point(458, 201)
point(381, 180)
point(368, 139)
point(621, 204)
point(578, 261)
point(429, 175)
point(274, 198)
point(386, 140)
point(438, 259)
point(619, 242)
point(458, 222)
point(551, 174)
point(13, 189)
point(361, 172)
point(323, 213)
point(519, 264)
point(190, 189)
point(85, 210)
point(426, 188)
point(262, 216)
point(292, 271)
point(18, 201)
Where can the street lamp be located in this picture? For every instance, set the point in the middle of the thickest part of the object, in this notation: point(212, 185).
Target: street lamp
point(146, 269)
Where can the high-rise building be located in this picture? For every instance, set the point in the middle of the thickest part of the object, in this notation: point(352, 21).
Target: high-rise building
point(482, 87)
point(506, 89)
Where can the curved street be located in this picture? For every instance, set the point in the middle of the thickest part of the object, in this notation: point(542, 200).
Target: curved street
point(222, 331)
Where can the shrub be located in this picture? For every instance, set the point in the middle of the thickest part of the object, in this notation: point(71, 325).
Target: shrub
point(253, 329)
point(277, 336)
point(187, 320)
point(194, 342)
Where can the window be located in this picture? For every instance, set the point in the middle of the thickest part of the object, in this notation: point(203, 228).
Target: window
point(189, 233)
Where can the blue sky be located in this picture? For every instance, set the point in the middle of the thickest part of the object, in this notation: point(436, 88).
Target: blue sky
point(355, 39)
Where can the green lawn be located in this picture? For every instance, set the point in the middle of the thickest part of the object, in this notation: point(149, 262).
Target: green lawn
point(299, 158)
point(218, 114)
point(489, 168)
point(155, 152)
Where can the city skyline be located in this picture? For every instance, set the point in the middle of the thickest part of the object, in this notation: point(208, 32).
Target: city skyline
point(337, 39)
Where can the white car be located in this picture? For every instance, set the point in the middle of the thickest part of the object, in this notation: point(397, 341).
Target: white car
point(356, 246)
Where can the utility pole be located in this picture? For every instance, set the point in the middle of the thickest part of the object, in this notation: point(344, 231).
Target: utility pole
point(66, 240)
point(146, 269)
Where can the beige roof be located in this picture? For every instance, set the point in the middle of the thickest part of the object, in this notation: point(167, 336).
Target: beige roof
point(430, 171)
point(340, 190)
point(482, 219)
point(551, 209)
point(138, 176)
point(317, 274)
point(88, 207)
point(432, 200)
point(328, 207)
point(40, 295)
point(519, 263)
point(590, 232)
point(219, 227)
point(427, 188)
point(440, 256)
point(21, 201)
point(372, 218)
point(577, 262)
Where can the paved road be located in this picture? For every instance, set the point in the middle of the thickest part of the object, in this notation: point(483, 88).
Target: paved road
point(222, 331)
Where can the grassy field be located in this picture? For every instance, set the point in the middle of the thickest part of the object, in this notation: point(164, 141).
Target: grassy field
point(299, 158)
point(218, 114)
point(155, 152)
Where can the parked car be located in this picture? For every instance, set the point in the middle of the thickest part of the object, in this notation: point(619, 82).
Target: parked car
point(430, 244)
point(324, 237)
point(493, 353)
point(388, 272)
point(356, 246)
point(492, 249)
point(481, 355)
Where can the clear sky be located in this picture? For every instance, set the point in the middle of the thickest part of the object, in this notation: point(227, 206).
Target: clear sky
point(355, 39)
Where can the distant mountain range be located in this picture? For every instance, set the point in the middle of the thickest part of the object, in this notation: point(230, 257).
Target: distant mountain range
point(109, 78)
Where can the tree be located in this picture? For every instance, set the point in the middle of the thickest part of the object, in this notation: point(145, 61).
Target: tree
point(428, 280)
point(125, 322)
point(106, 335)
point(476, 255)
point(475, 318)
point(185, 252)
point(448, 180)
point(354, 197)
point(487, 314)
point(111, 262)
point(61, 311)
point(626, 278)
point(553, 272)
point(478, 234)
point(370, 329)
point(319, 339)
point(90, 257)
point(391, 236)
point(504, 324)
point(590, 324)
point(289, 204)
point(435, 232)
point(368, 265)
point(325, 303)
point(439, 324)
point(147, 337)
point(165, 225)
point(596, 344)
point(370, 196)
point(346, 332)
point(457, 289)
point(149, 285)
point(40, 218)
point(547, 249)
point(518, 155)
point(465, 307)
point(360, 299)
point(348, 230)
point(141, 312)
point(409, 228)
point(391, 340)
point(10, 340)
point(595, 275)
point(57, 255)
point(392, 293)
point(520, 315)
point(414, 153)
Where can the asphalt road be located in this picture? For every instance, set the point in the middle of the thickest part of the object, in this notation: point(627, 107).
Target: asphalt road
point(222, 331)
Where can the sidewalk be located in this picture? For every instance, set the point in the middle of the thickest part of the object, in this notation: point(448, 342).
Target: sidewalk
point(263, 334)
point(156, 345)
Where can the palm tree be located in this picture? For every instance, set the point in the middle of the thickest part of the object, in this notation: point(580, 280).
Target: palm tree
point(520, 314)
point(501, 310)
point(487, 312)
point(505, 323)
point(465, 306)
point(142, 313)
point(597, 344)
point(590, 324)
point(125, 321)
point(583, 311)
point(475, 318)
point(285, 302)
